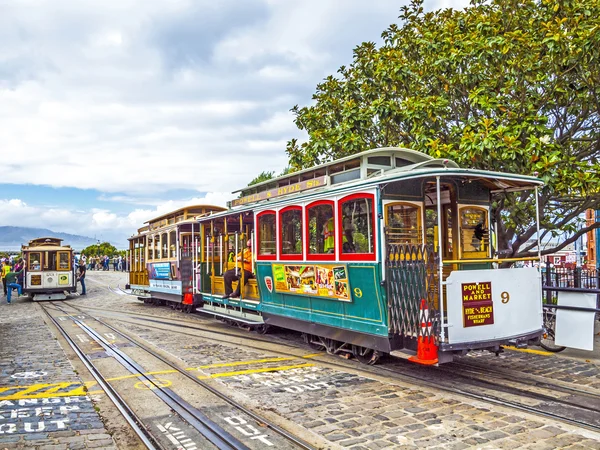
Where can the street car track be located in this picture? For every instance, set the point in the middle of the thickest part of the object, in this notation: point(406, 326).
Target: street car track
point(570, 411)
point(210, 430)
point(297, 443)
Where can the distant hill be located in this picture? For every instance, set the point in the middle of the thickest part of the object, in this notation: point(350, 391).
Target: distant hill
point(11, 238)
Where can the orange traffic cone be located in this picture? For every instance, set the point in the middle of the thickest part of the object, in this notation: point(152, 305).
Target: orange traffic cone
point(188, 299)
point(427, 351)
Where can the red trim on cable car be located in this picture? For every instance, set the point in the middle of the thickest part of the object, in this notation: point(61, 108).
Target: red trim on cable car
point(289, 256)
point(356, 256)
point(260, 257)
point(317, 256)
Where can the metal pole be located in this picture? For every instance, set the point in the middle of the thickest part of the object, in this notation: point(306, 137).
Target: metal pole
point(207, 249)
point(537, 224)
point(221, 253)
point(193, 262)
point(236, 252)
point(440, 256)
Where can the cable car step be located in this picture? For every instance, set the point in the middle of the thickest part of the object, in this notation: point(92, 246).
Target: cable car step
point(239, 316)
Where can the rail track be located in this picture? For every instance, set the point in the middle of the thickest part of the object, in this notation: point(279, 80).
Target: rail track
point(199, 426)
point(561, 402)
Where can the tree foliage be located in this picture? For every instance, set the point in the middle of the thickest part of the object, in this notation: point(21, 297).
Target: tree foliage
point(267, 175)
point(508, 85)
point(105, 248)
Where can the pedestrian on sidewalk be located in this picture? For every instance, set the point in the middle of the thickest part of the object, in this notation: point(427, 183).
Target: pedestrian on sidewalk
point(11, 283)
point(5, 269)
point(81, 277)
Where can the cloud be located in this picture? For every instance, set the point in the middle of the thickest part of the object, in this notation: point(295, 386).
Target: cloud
point(135, 98)
point(100, 223)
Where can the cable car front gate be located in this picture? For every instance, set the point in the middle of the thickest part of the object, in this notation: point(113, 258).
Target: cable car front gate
point(412, 291)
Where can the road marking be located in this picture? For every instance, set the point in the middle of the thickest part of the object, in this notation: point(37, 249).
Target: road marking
point(254, 361)
point(168, 428)
point(64, 389)
point(249, 371)
point(217, 365)
point(528, 350)
point(26, 375)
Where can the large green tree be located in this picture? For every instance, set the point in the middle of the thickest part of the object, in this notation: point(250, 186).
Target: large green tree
point(100, 249)
point(509, 85)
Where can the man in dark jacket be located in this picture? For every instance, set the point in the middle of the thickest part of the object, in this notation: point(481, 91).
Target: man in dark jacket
point(81, 276)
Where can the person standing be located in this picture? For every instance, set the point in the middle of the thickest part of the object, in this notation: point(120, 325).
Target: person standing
point(5, 271)
point(19, 266)
point(81, 277)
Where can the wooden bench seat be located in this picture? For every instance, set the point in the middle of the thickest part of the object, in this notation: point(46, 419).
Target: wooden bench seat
point(250, 289)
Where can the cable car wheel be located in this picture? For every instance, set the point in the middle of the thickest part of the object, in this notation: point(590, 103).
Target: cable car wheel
point(261, 329)
point(314, 342)
point(366, 355)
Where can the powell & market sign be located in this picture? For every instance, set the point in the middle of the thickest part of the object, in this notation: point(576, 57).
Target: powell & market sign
point(283, 190)
point(478, 307)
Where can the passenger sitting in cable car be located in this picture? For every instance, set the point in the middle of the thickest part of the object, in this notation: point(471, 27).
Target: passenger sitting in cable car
point(35, 265)
point(329, 236)
point(245, 259)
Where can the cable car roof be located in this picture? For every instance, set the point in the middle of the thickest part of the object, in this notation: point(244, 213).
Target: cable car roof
point(190, 210)
point(372, 167)
point(47, 248)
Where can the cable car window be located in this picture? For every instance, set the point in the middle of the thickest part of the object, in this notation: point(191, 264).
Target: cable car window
point(474, 230)
point(165, 246)
point(403, 223)
point(358, 225)
point(64, 261)
point(321, 229)
point(379, 160)
point(345, 176)
point(34, 262)
point(290, 221)
point(172, 242)
point(267, 234)
point(150, 248)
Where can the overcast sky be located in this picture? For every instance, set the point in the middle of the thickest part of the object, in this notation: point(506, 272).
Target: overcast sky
point(114, 112)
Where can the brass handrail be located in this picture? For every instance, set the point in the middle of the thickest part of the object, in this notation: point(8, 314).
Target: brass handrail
point(462, 261)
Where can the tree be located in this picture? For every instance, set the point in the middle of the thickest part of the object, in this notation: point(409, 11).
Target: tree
point(267, 175)
point(508, 85)
point(105, 248)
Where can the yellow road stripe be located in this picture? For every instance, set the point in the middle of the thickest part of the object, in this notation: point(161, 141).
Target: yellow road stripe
point(46, 390)
point(249, 371)
point(528, 350)
point(51, 390)
point(254, 361)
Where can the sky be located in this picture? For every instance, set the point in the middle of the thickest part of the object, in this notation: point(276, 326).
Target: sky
point(115, 112)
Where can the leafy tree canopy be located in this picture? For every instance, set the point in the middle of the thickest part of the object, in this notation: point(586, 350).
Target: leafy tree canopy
point(105, 248)
point(508, 85)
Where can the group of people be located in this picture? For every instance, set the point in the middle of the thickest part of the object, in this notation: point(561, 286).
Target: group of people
point(104, 262)
point(12, 277)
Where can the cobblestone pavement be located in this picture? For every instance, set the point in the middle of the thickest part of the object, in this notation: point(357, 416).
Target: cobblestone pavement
point(42, 399)
point(361, 413)
point(350, 410)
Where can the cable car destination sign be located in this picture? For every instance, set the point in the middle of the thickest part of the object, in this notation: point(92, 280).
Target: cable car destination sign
point(282, 190)
point(478, 307)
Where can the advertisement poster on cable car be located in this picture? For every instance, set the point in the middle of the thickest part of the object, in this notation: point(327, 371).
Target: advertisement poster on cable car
point(320, 280)
point(160, 271)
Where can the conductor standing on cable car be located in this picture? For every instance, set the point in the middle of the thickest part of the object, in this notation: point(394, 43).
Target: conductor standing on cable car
point(245, 259)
